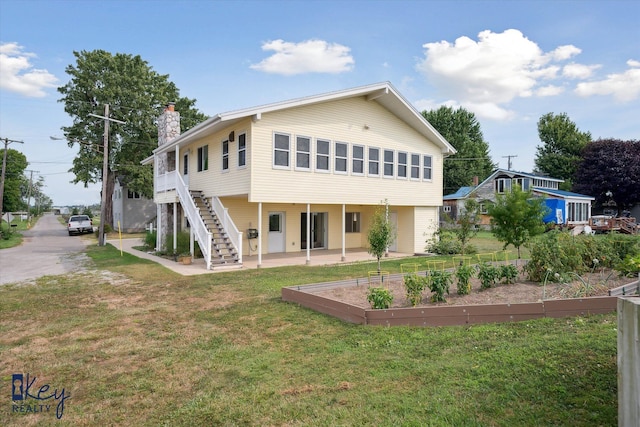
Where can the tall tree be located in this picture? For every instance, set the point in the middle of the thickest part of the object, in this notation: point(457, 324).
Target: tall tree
point(516, 217)
point(563, 142)
point(14, 180)
point(610, 169)
point(462, 130)
point(136, 95)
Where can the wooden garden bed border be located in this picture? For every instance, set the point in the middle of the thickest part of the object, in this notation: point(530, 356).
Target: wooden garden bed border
point(442, 315)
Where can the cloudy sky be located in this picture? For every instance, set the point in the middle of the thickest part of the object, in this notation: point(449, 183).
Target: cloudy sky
point(509, 62)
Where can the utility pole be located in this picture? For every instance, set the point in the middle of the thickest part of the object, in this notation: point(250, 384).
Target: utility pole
point(7, 141)
point(29, 196)
point(105, 171)
point(509, 160)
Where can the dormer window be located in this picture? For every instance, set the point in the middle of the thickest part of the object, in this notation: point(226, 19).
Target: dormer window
point(503, 185)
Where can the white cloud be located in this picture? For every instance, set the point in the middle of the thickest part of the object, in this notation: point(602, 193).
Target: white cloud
point(310, 56)
point(18, 75)
point(494, 70)
point(624, 87)
point(549, 90)
point(481, 110)
point(578, 71)
point(564, 52)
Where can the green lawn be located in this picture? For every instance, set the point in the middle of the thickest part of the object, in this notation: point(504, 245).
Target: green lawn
point(135, 344)
point(14, 237)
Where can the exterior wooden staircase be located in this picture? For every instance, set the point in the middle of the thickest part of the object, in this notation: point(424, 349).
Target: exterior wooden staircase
point(222, 249)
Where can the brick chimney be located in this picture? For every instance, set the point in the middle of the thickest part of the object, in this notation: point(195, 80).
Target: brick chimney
point(475, 181)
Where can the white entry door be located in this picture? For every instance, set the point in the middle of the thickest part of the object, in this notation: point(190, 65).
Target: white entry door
point(276, 232)
point(393, 220)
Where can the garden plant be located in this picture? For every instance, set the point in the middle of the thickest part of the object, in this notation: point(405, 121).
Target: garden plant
point(439, 283)
point(415, 286)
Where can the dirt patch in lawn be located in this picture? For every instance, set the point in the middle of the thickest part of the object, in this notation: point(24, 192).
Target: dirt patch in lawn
point(588, 285)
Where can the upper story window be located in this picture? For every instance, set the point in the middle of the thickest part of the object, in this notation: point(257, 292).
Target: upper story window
point(388, 163)
point(281, 149)
point(323, 149)
point(225, 155)
point(503, 185)
point(341, 158)
point(522, 183)
point(132, 195)
point(185, 164)
point(357, 160)
point(203, 158)
point(426, 167)
point(402, 164)
point(242, 150)
point(303, 153)
point(374, 161)
point(545, 183)
point(415, 166)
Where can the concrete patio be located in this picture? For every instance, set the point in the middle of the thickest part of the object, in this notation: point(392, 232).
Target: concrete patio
point(317, 257)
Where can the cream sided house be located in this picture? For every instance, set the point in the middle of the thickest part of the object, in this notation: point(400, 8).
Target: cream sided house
point(300, 175)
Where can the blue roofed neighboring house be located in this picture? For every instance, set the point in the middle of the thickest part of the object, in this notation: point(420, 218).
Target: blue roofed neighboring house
point(565, 208)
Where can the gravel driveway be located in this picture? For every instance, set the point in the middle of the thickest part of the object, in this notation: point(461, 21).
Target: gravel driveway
point(47, 249)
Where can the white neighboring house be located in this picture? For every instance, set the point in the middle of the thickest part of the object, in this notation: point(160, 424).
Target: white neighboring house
point(131, 211)
point(300, 175)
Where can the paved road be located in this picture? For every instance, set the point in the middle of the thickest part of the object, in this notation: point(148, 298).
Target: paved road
point(47, 249)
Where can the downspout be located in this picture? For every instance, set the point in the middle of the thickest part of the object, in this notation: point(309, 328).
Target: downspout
point(308, 233)
point(259, 234)
point(175, 226)
point(344, 223)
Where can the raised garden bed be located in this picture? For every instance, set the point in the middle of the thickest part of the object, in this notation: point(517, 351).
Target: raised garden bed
point(346, 300)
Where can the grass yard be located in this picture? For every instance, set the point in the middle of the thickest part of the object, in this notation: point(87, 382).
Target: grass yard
point(10, 233)
point(135, 344)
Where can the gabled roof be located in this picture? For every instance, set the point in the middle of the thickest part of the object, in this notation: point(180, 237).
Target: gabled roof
point(464, 192)
point(460, 194)
point(514, 174)
point(382, 93)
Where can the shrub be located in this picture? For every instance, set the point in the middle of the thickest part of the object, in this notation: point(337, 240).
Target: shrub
point(464, 273)
point(444, 243)
point(379, 298)
point(488, 275)
point(439, 282)
point(414, 286)
point(630, 266)
point(107, 229)
point(150, 240)
point(556, 254)
point(508, 273)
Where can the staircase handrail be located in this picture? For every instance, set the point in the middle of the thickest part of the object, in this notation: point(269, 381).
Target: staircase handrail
point(230, 227)
point(198, 227)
